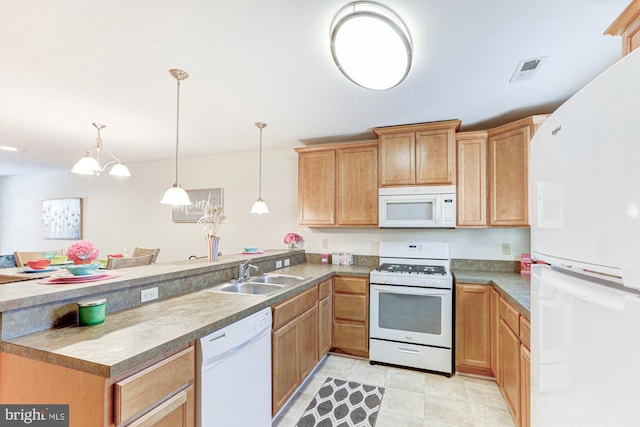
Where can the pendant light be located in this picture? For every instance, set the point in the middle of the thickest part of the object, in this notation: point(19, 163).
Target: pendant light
point(260, 207)
point(176, 195)
point(90, 163)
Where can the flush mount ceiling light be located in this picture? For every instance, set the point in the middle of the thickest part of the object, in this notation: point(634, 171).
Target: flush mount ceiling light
point(260, 207)
point(90, 163)
point(371, 45)
point(176, 196)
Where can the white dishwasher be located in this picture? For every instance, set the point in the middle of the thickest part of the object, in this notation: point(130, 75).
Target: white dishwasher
point(234, 374)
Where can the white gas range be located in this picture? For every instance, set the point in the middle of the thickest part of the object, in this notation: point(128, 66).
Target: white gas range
point(411, 312)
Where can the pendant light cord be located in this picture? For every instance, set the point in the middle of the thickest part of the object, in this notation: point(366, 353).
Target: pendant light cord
point(260, 169)
point(177, 126)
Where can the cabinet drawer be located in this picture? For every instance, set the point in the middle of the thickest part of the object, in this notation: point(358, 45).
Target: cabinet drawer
point(350, 336)
point(285, 311)
point(525, 332)
point(351, 285)
point(142, 390)
point(350, 307)
point(324, 289)
point(510, 315)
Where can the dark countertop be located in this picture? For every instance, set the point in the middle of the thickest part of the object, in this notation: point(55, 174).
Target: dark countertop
point(131, 337)
point(514, 287)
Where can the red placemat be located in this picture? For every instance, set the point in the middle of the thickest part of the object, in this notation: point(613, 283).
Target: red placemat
point(66, 280)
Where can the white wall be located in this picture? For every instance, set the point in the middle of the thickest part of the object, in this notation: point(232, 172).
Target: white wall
point(121, 213)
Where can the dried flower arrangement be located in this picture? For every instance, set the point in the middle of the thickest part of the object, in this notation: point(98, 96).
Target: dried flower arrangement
point(213, 217)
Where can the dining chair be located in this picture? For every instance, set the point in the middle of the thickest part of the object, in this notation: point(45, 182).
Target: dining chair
point(142, 251)
point(115, 263)
point(7, 261)
point(23, 257)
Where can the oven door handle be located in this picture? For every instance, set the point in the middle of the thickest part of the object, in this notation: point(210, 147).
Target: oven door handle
point(412, 291)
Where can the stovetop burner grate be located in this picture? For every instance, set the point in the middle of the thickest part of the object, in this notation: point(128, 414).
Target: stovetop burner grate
point(413, 269)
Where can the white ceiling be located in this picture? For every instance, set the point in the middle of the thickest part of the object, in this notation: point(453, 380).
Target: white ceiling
point(67, 63)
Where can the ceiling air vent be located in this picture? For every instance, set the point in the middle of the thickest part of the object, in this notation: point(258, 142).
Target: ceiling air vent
point(527, 69)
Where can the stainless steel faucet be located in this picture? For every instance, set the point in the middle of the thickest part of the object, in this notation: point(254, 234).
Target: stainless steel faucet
point(244, 270)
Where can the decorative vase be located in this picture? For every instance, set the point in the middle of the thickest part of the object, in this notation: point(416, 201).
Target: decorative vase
point(293, 246)
point(213, 242)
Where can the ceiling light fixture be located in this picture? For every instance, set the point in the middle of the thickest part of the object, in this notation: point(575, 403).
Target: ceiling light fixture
point(90, 163)
point(371, 45)
point(8, 148)
point(176, 196)
point(260, 207)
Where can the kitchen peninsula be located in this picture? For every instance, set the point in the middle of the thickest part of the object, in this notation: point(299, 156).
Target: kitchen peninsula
point(35, 358)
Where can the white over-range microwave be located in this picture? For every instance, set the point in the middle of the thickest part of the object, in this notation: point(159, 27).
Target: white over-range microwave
point(417, 207)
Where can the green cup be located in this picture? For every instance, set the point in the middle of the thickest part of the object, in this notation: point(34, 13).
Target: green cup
point(92, 312)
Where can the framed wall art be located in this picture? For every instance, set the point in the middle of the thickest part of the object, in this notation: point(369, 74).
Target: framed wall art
point(193, 213)
point(62, 219)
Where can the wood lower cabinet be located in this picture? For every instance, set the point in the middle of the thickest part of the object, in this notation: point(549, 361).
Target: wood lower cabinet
point(509, 367)
point(351, 315)
point(338, 185)
point(294, 344)
point(159, 394)
point(493, 338)
point(525, 386)
point(325, 317)
point(473, 329)
point(419, 154)
point(508, 172)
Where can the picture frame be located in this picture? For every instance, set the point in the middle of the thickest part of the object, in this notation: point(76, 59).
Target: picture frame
point(189, 214)
point(62, 219)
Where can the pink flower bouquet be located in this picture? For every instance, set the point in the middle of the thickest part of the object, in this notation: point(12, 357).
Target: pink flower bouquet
point(292, 239)
point(82, 252)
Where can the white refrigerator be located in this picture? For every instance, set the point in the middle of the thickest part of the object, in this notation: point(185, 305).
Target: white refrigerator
point(585, 307)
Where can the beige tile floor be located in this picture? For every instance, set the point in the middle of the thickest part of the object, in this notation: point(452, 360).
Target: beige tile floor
point(411, 398)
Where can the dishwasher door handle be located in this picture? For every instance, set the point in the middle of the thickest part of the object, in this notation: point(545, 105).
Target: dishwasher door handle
point(223, 335)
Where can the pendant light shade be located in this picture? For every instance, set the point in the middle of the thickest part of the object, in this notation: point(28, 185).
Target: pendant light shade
point(90, 163)
point(176, 196)
point(260, 207)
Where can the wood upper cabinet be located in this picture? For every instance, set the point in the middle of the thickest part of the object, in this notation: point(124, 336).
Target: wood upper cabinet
point(473, 329)
point(338, 185)
point(508, 172)
point(419, 154)
point(627, 26)
point(471, 184)
point(316, 187)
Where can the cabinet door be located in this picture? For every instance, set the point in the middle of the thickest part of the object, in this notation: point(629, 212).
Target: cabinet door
point(357, 185)
point(472, 180)
point(495, 332)
point(508, 178)
point(473, 329)
point(398, 159)
point(316, 188)
point(308, 341)
point(525, 387)
point(285, 363)
point(435, 157)
point(325, 319)
point(509, 348)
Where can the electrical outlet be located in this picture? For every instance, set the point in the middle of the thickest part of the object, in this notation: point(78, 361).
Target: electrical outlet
point(279, 263)
point(148, 294)
point(506, 249)
point(325, 243)
point(287, 262)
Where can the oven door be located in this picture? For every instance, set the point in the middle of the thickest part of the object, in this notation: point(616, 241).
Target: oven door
point(412, 315)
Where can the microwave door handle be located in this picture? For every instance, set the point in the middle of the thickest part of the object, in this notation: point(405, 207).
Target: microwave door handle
point(437, 207)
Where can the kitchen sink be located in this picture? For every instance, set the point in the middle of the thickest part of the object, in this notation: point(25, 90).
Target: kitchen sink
point(248, 288)
point(277, 279)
